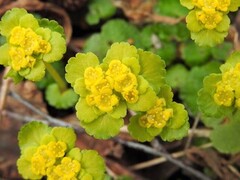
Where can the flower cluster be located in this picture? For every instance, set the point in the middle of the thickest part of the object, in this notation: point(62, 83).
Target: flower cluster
point(30, 43)
point(127, 79)
point(208, 20)
point(221, 92)
point(50, 152)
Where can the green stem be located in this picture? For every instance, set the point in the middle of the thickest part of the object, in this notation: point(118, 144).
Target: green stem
point(55, 75)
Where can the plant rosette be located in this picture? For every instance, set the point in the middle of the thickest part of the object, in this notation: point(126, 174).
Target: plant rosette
point(30, 44)
point(49, 152)
point(220, 95)
point(165, 118)
point(208, 20)
point(128, 78)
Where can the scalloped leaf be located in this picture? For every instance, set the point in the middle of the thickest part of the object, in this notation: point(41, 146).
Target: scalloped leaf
point(58, 48)
point(208, 37)
point(226, 137)
point(24, 165)
point(52, 25)
point(144, 102)
point(234, 5)
point(165, 7)
point(222, 51)
point(58, 99)
point(99, 10)
point(11, 19)
point(123, 52)
point(176, 76)
point(152, 69)
point(14, 75)
point(103, 127)
point(4, 55)
point(192, 23)
point(28, 21)
point(76, 66)
point(138, 132)
point(93, 164)
point(201, 54)
point(92, 45)
point(180, 116)
point(85, 112)
point(231, 61)
point(66, 135)
point(31, 134)
point(118, 30)
point(75, 153)
point(36, 73)
point(187, 3)
point(189, 93)
point(119, 111)
point(169, 134)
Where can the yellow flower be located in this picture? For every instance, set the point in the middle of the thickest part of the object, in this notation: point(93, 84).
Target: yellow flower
point(157, 116)
point(24, 45)
point(224, 95)
point(67, 170)
point(209, 17)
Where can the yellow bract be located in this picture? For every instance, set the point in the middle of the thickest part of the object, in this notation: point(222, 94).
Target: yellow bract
point(46, 155)
point(157, 116)
point(227, 90)
point(25, 45)
point(67, 170)
point(104, 87)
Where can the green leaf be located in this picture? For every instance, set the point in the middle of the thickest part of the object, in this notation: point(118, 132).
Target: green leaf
point(180, 116)
point(167, 52)
point(208, 37)
point(52, 25)
point(169, 134)
point(24, 166)
point(189, 93)
point(187, 3)
point(176, 76)
point(66, 135)
point(58, 48)
point(93, 164)
point(123, 52)
point(28, 21)
point(119, 111)
point(80, 87)
point(75, 153)
point(103, 127)
point(194, 55)
point(31, 134)
point(11, 19)
point(222, 51)
point(234, 5)
point(58, 99)
point(231, 62)
point(225, 137)
point(92, 45)
point(76, 66)
point(152, 69)
point(211, 121)
point(37, 72)
point(118, 30)
point(99, 10)
point(4, 60)
point(192, 22)
point(144, 102)
point(138, 132)
point(14, 75)
point(165, 7)
point(85, 112)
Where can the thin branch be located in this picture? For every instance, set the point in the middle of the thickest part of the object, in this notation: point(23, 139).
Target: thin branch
point(157, 161)
point(189, 140)
point(152, 151)
point(37, 111)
